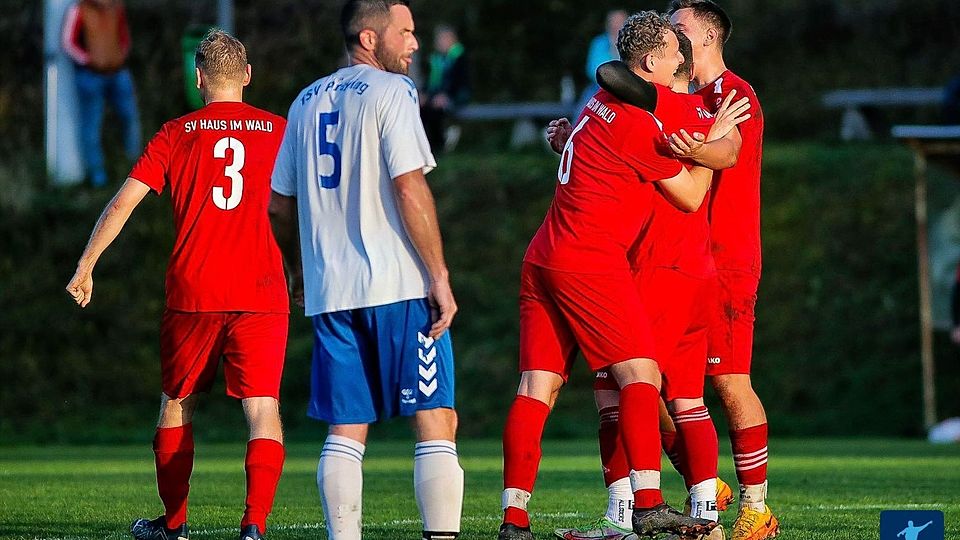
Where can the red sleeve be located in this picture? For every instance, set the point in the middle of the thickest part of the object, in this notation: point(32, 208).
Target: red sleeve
point(70, 39)
point(646, 151)
point(124, 33)
point(151, 168)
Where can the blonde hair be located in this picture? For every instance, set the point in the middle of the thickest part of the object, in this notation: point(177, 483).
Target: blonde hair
point(642, 34)
point(221, 57)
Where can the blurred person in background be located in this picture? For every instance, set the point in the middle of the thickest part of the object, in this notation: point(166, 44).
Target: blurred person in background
point(603, 48)
point(448, 87)
point(96, 36)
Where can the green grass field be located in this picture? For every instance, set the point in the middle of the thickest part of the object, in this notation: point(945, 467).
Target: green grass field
point(821, 489)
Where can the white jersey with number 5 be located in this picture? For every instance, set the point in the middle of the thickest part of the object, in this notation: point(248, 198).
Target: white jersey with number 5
point(348, 136)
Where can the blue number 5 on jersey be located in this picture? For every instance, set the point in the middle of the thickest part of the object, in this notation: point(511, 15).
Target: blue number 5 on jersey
point(329, 148)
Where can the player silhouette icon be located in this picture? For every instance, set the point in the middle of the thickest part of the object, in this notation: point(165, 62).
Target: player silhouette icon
point(911, 532)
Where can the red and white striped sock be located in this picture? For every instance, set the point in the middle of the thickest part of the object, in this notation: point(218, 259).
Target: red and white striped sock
point(671, 447)
point(750, 460)
point(612, 456)
point(698, 446)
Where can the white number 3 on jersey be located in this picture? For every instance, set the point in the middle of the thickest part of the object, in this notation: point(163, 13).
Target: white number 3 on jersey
point(232, 171)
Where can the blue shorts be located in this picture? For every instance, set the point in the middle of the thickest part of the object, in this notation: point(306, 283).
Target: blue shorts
point(375, 363)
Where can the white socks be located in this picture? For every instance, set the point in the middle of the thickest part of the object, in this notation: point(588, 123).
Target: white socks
point(754, 496)
point(340, 479)
point(620, 503)
point(438, 486)
point(703, 500)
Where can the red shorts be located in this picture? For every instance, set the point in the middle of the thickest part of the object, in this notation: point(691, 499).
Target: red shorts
point(252, 346)
point(679, 308)
point(730, 347)
point(600, 313)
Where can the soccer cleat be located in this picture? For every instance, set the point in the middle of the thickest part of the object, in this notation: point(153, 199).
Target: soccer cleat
point(509, 531)
point(716, 534)
point(601, 529)
point(144, 529)
point(663, 519)
point(755, 525)
point(251, 532)
point(724, 498)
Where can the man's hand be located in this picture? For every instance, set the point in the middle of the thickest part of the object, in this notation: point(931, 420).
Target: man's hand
point(729, 116)
point(687, 146)
point(442, 307)
point(295, 286)
point(81, 287)
point(558, 132)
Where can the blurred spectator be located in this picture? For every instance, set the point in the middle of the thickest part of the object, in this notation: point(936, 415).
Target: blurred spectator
point(448, 87)
point(951, 102)
point(97, 38)
point(603, 48)
point(955, 309)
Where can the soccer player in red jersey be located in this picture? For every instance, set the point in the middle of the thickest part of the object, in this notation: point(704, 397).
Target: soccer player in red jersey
point(674, 271)
point(226, 294)
point(577, 290)
point(734, 212)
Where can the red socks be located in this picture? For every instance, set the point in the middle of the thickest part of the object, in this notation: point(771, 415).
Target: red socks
point(612, 456)
point(639, 430)
point(521, 451)
point(671, 447)
point(173, 451)
point(696, 444)
point(750, 454)
point(263, 464)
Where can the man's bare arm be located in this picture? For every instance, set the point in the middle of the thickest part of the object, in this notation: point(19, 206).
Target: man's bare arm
point(111, 222)
point(720, 148)
point(687, 189)
point(615, 77)
point(419, 215)
point(284, 220)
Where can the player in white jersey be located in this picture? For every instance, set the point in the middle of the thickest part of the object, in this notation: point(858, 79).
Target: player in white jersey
point(349, 179)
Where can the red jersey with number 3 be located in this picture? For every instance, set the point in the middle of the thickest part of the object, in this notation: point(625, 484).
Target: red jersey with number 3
point(605, 192)
point(735, 196)
point(677, 239)
point(217, 163)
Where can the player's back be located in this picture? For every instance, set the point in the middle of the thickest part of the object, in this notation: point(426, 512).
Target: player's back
point(217, 162)
point(349, 135)
point(677, 239)
point(605, 191)
point(734, 202)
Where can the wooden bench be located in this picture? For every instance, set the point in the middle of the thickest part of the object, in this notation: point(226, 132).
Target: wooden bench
point(525, 116)
point(860, 107)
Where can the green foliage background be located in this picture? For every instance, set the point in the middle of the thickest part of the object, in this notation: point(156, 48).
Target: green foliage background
point(836, 347)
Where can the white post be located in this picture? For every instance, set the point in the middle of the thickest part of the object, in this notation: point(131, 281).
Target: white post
point(225, 15)
point(64, 163)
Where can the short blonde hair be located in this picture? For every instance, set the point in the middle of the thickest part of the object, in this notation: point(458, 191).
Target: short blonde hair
point(221, 57)
point(642, 34)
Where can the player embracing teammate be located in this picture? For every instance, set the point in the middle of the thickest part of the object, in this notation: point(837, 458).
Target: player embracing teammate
point(578, 290)
point(725, 311)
